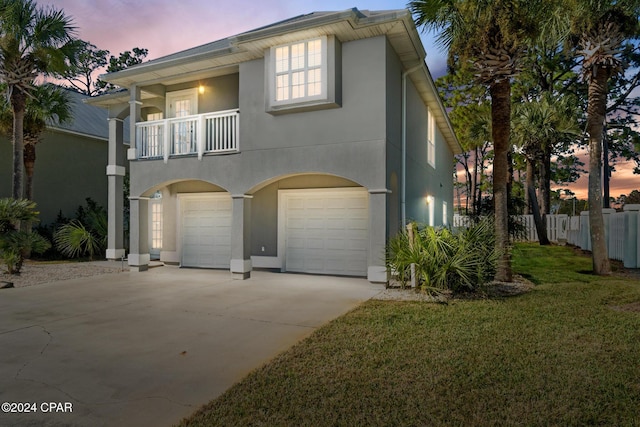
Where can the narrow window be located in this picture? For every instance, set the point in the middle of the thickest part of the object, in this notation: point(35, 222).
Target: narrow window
point(445, 221)
point(431, 139)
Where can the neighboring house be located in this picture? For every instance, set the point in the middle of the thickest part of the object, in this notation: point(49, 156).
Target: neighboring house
point(71, 160)
point(283, 147)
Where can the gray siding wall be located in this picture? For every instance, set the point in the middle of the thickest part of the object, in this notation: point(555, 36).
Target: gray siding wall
point(422, 178)
point(69, 168)
point(348, 142)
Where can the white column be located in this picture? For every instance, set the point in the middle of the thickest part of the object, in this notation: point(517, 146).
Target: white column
point(115, 180)
point(376, 270)
point(139, 256)
point(135, 106)
point(241, 237)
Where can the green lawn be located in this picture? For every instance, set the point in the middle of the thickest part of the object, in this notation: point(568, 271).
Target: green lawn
point(559, 355)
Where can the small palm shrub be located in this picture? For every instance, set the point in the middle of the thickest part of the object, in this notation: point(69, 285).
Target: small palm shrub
point(444, 259)
point(17, 245)
point(75, 240)
point(84, 236)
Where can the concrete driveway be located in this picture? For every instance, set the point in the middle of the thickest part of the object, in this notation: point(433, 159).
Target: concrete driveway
point(147, 349)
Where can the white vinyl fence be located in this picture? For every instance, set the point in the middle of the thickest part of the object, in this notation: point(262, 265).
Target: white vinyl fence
point(622, 231)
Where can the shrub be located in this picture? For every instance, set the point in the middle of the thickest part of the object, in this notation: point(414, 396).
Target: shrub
point(17, 245)
point(84, 236)
point(75, 240)
point(444, 259)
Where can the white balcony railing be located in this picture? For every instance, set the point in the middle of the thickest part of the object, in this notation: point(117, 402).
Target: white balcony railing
point(199, 134)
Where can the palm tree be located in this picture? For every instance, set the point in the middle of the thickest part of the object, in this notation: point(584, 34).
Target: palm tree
point(540, 128)
point(599, 29)
point(48, 104)
point(493, 36)
point(33, 42)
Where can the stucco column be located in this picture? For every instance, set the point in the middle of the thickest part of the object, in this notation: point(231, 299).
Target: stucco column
point(376, 271)
point(115, 180)
point(169, 252)
point(139, 234)
point(632, 236)
point(135, 108)
point(241, 236)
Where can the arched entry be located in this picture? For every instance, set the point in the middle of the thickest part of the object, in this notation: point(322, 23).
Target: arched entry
point(312, 223)
point(191, 220)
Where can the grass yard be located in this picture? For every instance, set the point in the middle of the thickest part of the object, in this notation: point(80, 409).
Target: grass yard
point(566, 353)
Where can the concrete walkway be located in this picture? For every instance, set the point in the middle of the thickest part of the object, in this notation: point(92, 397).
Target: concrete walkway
point(147, 349)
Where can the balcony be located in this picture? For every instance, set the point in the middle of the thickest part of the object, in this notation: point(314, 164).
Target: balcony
point(209, 133)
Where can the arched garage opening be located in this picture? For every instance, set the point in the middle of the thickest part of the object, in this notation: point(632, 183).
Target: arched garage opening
point(311, 223)
point(189, 224)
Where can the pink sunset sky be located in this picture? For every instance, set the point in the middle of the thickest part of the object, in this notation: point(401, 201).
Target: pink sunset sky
point(167, 26)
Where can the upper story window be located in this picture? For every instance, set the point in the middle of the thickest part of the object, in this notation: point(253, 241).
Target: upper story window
point(299, 70)
point(431, 139)
point(303, 75)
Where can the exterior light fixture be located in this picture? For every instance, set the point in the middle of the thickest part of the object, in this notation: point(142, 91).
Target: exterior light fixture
point(429, 199)
point(200, 89)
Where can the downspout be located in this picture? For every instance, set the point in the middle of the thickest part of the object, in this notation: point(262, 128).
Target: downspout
point(403, 195)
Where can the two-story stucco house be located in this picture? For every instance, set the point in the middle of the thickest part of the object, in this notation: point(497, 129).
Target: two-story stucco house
point(300, 146)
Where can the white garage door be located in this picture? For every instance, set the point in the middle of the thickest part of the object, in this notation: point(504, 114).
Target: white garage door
point(325, 231)
point(206, 230)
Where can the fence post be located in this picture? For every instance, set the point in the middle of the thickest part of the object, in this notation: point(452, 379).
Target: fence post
point(606, 216)
point(413, 266)
point(585, 234)
point(631, 236)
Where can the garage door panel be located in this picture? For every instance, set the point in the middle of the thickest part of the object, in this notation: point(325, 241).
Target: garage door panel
point(206, 231)
point(326, 231)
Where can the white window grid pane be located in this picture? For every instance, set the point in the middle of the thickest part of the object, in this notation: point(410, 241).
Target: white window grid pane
point(297, 56)
point(282, 59)
point(156, 226)
point(314, 53)
point(282, 87)
point(314, 82)
point(297, 85)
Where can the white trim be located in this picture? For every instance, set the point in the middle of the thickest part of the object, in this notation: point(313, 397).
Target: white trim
point(115, 170)
point(266, 261)
point(185, 196)
point(132, 154)
point(282, 195)
point(241, 196)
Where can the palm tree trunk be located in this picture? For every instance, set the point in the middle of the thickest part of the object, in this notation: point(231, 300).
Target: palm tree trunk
point(529, 184)
point(606, 170)
point(595, 120)
point(18, 101)
point(545, 176)
point(29, 165)
point(500, 122)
